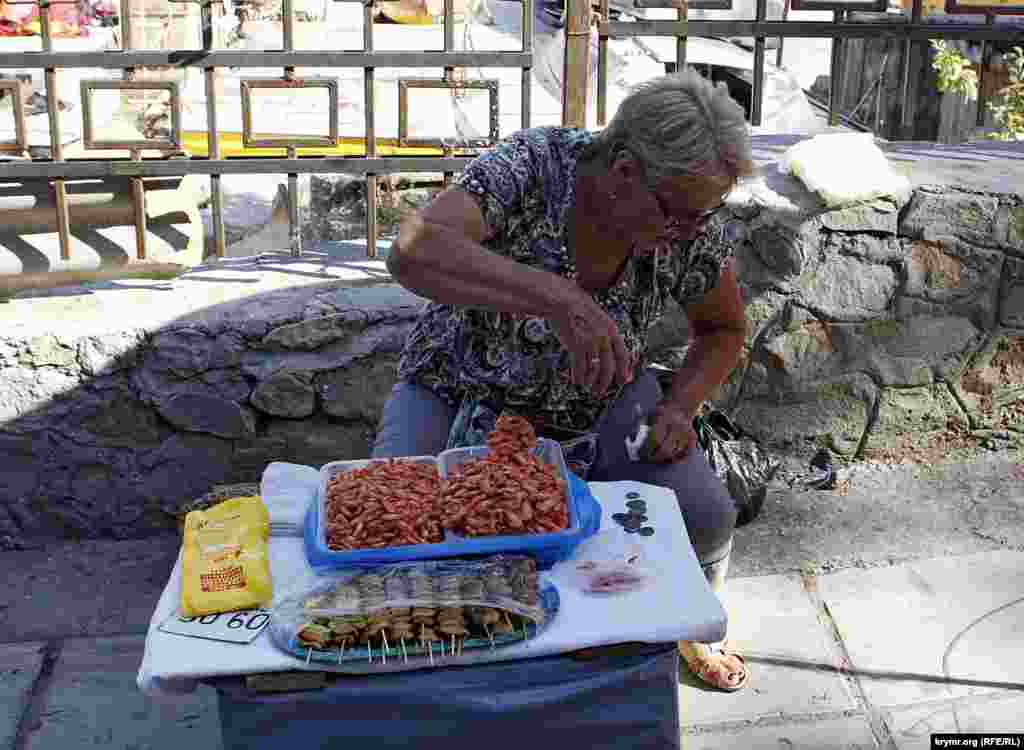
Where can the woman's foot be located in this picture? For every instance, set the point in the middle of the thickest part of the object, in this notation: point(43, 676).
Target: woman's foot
point(720, 668)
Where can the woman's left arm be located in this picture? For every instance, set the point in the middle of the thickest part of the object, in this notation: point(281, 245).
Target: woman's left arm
point(719, 326)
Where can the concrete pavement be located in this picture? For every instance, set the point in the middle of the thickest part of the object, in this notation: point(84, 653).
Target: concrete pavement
point(849, 648)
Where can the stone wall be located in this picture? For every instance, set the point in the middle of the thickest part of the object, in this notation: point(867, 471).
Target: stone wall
point(883, 330)
point(875, 330)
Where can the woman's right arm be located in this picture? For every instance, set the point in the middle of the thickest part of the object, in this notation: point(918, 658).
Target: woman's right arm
point(439, 255)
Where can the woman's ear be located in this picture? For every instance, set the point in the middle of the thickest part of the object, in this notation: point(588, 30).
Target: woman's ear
point(625, 167)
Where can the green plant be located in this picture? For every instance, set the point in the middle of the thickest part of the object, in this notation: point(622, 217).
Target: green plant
point(956, 76)
point(955, 73)
point(1008, 110)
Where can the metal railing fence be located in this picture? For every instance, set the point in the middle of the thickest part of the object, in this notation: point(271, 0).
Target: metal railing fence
point(176, 163)
point(912, 31)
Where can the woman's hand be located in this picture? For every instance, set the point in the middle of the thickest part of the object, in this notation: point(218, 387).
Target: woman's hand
point(671, 435)
point(597, 353)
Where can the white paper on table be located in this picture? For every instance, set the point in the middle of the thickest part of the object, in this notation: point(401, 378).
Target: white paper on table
point(678, 606)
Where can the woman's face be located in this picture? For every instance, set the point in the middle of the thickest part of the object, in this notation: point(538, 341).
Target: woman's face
point(690, 201)
point(644, 208)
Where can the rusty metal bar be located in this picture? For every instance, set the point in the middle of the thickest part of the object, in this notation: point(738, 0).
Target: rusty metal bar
point(908, 50)
point(782, 40)
point(294, 228)
point(88, 168)
point(138, 189)
point(527, 71)
point(807, 30)
point(213, 139)
point(990, 20)
point(404, 84)
point(60, 194)
point(682, 13)
point(15, 89)
point(449, 82)
point(370, 109)
point(273, 59)
point(602, 70)
point(757, 102)
point(576, 70)
point(834, 72)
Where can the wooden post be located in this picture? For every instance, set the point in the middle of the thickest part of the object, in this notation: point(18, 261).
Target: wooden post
point(576, 72)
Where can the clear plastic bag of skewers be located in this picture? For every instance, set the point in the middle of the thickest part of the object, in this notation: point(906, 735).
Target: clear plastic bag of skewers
point(415, 615)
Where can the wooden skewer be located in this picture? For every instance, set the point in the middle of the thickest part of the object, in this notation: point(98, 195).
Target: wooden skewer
point(430, 650)
point(341, 651)
point(453, 645)
point(384, 649)
point(369, 651)
point(309, 655)
point(505, 612)
point(405, 655)
point(490, 636)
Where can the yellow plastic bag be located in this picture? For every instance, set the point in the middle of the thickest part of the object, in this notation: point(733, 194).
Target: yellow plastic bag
point(226, 565)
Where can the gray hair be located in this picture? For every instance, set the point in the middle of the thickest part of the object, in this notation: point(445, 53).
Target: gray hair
point(682, 125)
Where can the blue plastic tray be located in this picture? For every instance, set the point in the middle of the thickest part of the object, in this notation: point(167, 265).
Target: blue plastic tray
point(545, 549)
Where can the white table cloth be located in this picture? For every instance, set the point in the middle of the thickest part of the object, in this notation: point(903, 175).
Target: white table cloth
point(677, 606)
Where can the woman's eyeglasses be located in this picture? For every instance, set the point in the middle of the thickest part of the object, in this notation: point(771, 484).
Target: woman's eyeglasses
point(690, 219)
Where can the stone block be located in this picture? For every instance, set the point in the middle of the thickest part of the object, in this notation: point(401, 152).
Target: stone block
point(845, 288)
point(158, 386)
point(94, 701)
point(869, 247)
point(309, 335)
point(963, 279)
point(803, 353)
point(49, 351)
point(908, 352)
point(1011, 294)
point(109, 353)
point(939, 215)
point(286, 394)
point(836, 411)
point(20, 664)
point(184, 467)
point(943, 626)
point(880, 217)
point(1015, 229)
point(312, 442)
point(187, 352)
point(27, 391)
point(197, 412)
point(360, 391)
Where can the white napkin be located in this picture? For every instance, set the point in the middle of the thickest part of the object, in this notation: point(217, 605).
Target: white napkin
point(845, 168)
point(287, 490)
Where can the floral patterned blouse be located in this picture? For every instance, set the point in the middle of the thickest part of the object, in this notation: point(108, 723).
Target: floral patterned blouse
point(525, 187)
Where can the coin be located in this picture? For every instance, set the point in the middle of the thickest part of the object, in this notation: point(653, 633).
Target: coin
point(632, 523)
point(638, 517)
point(632, 495)
point(638, 505)
point(632, 529)
point(646, 531)
point(619, 517)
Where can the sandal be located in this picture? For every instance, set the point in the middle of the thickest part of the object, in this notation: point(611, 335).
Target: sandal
point(725, 670)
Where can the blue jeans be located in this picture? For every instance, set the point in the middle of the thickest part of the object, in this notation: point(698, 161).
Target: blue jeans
point(416, 422)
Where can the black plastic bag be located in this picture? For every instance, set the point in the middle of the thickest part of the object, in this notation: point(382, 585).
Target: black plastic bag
point(737, 459)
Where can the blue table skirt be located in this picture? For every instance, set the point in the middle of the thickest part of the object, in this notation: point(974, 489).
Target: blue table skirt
point(624, 701)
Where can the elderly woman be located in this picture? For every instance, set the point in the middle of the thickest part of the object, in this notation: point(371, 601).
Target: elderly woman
point(547, 264)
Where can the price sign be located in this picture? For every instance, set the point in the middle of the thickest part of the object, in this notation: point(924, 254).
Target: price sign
point(233, 627)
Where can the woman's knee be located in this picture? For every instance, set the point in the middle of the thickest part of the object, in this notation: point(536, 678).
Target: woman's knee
point(704, 501)
point(414, 422)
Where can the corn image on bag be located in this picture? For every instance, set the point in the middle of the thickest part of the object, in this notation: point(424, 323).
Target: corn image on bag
point(225, 564)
